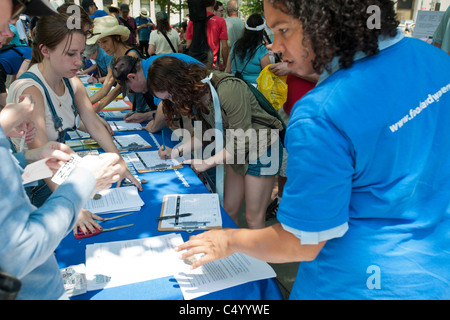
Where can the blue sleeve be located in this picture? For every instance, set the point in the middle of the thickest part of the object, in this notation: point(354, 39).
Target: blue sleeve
point(29, 235)
point(20, 156)
point(316, 196)
point(262, 51)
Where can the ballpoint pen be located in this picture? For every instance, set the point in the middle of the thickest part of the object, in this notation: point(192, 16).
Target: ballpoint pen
point(175, 216)
point(164, 145)
point(130, 115)
point(80, 234)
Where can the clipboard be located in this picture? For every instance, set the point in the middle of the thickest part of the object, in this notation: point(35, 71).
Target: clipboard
point(85, 144)
point(130, 142)
point(204, 209)
point(149, 161)
point(123, 126)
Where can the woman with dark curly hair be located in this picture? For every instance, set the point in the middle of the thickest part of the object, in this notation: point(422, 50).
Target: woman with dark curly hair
point(249, 54)
point(250, 152)
point(366, 203)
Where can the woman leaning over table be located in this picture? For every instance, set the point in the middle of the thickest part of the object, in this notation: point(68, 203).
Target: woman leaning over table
point(56, 56)
point(366, 204)
point(251, 162)
point(112, 37)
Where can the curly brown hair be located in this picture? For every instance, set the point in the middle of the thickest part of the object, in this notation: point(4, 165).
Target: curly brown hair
point(182, 81)
point(339, 28)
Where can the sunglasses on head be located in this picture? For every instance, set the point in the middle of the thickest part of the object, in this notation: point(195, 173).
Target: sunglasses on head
point(89, 34)
point(19, 7)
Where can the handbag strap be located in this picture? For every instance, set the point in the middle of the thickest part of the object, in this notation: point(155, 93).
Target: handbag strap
point(251, 56)
point(170, 43)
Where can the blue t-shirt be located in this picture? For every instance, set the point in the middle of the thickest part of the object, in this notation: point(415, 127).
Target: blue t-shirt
point(11, 60)
point(181, 56)
point(144, 33)
point(98, 14)
point(370, 146)
point(250, 67)
point(16, 39)
point(103, 60)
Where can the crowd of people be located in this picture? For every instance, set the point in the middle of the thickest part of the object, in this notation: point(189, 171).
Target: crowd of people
point(361, 174)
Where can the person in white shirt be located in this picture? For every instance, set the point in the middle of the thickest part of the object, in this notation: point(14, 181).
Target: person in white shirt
point(164, 39)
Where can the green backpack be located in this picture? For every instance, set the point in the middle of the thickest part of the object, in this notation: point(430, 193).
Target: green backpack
point(263, 102)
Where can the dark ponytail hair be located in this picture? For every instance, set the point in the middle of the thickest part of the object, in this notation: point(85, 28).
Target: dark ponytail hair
point(250, 39)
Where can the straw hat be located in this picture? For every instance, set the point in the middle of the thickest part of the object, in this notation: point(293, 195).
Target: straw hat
point(108, 26)
point(143, 12)
point(113, 6)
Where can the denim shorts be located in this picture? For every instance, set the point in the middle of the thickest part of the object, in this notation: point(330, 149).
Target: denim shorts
point(39, 194)
point(267, 165)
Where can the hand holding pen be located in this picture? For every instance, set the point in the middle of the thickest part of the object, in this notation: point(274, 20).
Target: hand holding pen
point(164, 144)
point(165, 152)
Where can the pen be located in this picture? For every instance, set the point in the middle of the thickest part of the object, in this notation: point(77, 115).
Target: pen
point(164, 145)
point(175, 216)
point(130, 115)
point(22, 141)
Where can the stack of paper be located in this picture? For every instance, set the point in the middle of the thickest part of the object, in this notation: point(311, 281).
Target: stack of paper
point(117, 105)
point(78, 134)
point(221, 274)
point(115, 200)
point(119, 263)
point(85, 144)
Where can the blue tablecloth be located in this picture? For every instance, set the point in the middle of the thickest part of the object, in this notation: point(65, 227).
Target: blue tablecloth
point(72, 251)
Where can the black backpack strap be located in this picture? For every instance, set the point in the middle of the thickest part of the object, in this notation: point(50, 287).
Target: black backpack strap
point(170, 43)
point(139, 53)
point(248, 60)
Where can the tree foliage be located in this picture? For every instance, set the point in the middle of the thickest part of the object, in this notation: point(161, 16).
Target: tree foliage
point(249, 7)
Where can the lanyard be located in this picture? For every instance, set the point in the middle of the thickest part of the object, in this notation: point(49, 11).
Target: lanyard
point(218, 139)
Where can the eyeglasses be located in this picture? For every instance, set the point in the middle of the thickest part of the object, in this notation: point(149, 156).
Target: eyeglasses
point(89, 34)
point(19, 6)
